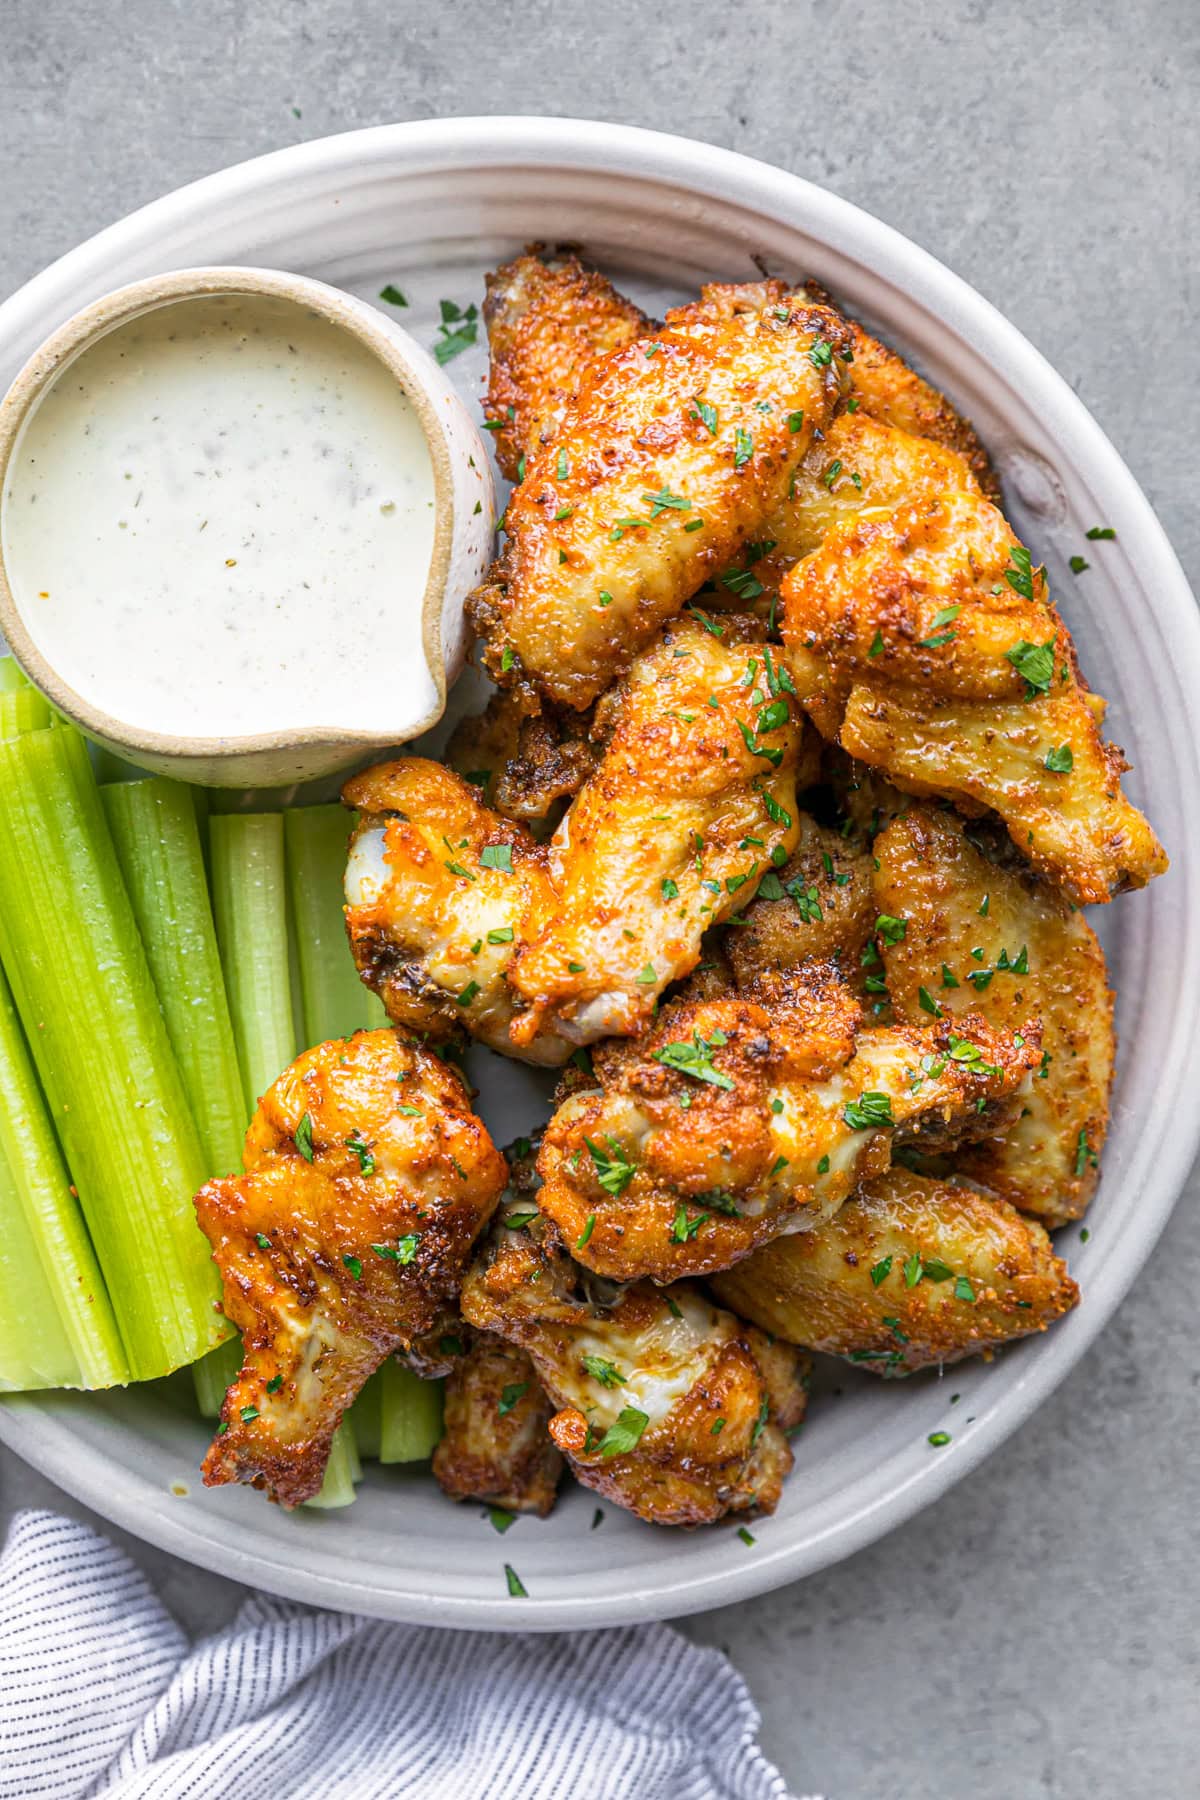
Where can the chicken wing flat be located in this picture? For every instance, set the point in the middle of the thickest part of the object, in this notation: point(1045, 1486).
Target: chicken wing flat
point(693, 803)
point(495, 1446)
point(978, 936)
point(368, 1179)
point(924, 644)
point(666, 1404)
point(547, 318)
point(439, 892)
point(909, 1272)
point(677, 450)
point(729, 1123)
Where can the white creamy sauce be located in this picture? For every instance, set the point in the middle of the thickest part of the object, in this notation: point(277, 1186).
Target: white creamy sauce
point(219, 521)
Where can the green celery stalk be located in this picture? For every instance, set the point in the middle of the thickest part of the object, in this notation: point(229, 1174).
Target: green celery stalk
point(70, 946)
point(12, 676)
point(23, 709)
point(412, 1415)
point(341, 1471)
point(213, 1374)
point(367, 1413)
point(57, 1327)
point(154, 828)
point(250, 903)
point(335, 1001)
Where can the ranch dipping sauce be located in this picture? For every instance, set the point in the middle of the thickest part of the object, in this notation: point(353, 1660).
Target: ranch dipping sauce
point(219, 521)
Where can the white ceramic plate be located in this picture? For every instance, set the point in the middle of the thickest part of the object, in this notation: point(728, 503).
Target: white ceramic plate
point(431, 206)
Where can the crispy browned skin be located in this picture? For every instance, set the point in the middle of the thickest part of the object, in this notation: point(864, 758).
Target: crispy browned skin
point(694, 797)
point(697, 1404)
point(907, 1273)
point(820, 905)
point(547, 318)
point(639, 499)
point(911, 648)
point(930, 876)
point(525, 761)
point(433, 928)
point(368, 1178)
point(495, 1446)
point(682, 1166)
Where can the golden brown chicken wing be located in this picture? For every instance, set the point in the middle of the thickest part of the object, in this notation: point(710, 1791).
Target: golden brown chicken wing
point(495, 1446)
point(693, 803)
point(820, 905)
point(368, 1178)
point(547, 318)
point(729, 1124)
point(667, 1405)
point(924, 644)
point(440, 891)
point(525, 761)
point(676, 451)
point(972, 934)
point(907, 1273)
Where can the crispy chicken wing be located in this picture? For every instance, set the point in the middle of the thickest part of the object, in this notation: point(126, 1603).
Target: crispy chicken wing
point(729, 1124)
point(925, 645)
point(667, 1405)
point(677, 450)
point(547, 318)
point(693, 802)
point(526, 761)
point(820, 905)
point(495, 1446)
point(439, 892)
point(983, 937)
point(907, 1273)
point(368, 1178)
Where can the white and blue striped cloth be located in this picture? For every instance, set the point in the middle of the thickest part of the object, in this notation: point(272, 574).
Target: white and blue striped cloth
point(103, 1698)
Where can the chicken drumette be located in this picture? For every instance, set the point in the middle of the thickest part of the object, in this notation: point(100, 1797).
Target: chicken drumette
point(368, 1179)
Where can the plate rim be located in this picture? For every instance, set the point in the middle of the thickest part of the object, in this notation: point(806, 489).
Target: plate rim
point(707, 171)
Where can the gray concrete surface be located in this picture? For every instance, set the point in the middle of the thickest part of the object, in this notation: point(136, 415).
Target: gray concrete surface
point(1035, 1633)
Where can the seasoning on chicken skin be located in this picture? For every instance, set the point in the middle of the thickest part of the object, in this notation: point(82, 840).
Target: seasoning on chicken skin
point(924, 644)
point(819, 905)
point(547, 318)
point(907, 1273)
point(368, 1179)
point(667, 1404)
point(730, 1123)
point(439, 893)
point(693, 802)
point(676, 451)
point(495, 1446)
point(526, 757)
point(981, 936)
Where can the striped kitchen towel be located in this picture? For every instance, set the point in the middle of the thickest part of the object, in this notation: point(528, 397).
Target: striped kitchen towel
point(102, 1698)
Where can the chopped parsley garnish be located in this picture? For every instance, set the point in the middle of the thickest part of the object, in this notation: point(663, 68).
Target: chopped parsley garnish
point(772, 716)
point(647, 977)
point(562, 466)
point(949, 978)
point(1078, 564)
point(747, 1537)
point(743, 448)
point(742, 582)
point(605, 597)
point(708, 416)
point(876, 645)
point(458, 330)
point(624, 1434)
point(881, 1270)
point(510, 1395)
point(869, 1112)
point(581, 1242)
point(963, 1289)
point(665, 501)
point(795, 422)
point(354, 1264)
point(465, 997)
point(500, 1518)
point(614, 1172)
point(684, 1229)
point(1096, 532)
point(361, 1149)
point(391, 293)
point(831, 474)
point(710, 625)
point(1035, 662)
point(938, 1438)
point(303, 1137)
point(262, 1240)
point(946, 616)
point(500, 934)
point(927, 1003)
point(823, 1166)
point(1019, 573)
point(275, 1383)
point(603, 1371)
point(497, 856)
point(820, 354)
point(1060, 761)
point(516, 1586)
point(402, 1252)
point(249, 1414)
point(889, 929)
point(1084, 1154)
point(695, 1059)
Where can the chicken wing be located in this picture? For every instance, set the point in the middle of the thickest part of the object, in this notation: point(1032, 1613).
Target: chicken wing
point(547, 318)
point(819, 906)
point(525, 761)
point(693, 802)
point(368, 1179)
point(729, 1123)
point(907, 1273)
point(495, 1446)
point(667, 1405)
point(439, 893)
point(970, 933)
point(925, 645)
point(677, 450)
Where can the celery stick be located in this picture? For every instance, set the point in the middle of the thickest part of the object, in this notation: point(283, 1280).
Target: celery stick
point(367, 1413)
point(412, 1415)
point(57, 1327)
point(154, 828)
point(70, 945)
point(212, 1375)
point(341, 1471)
point(12, 676)
point(335, 1000)
point(23, 709)
point(250, 903)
